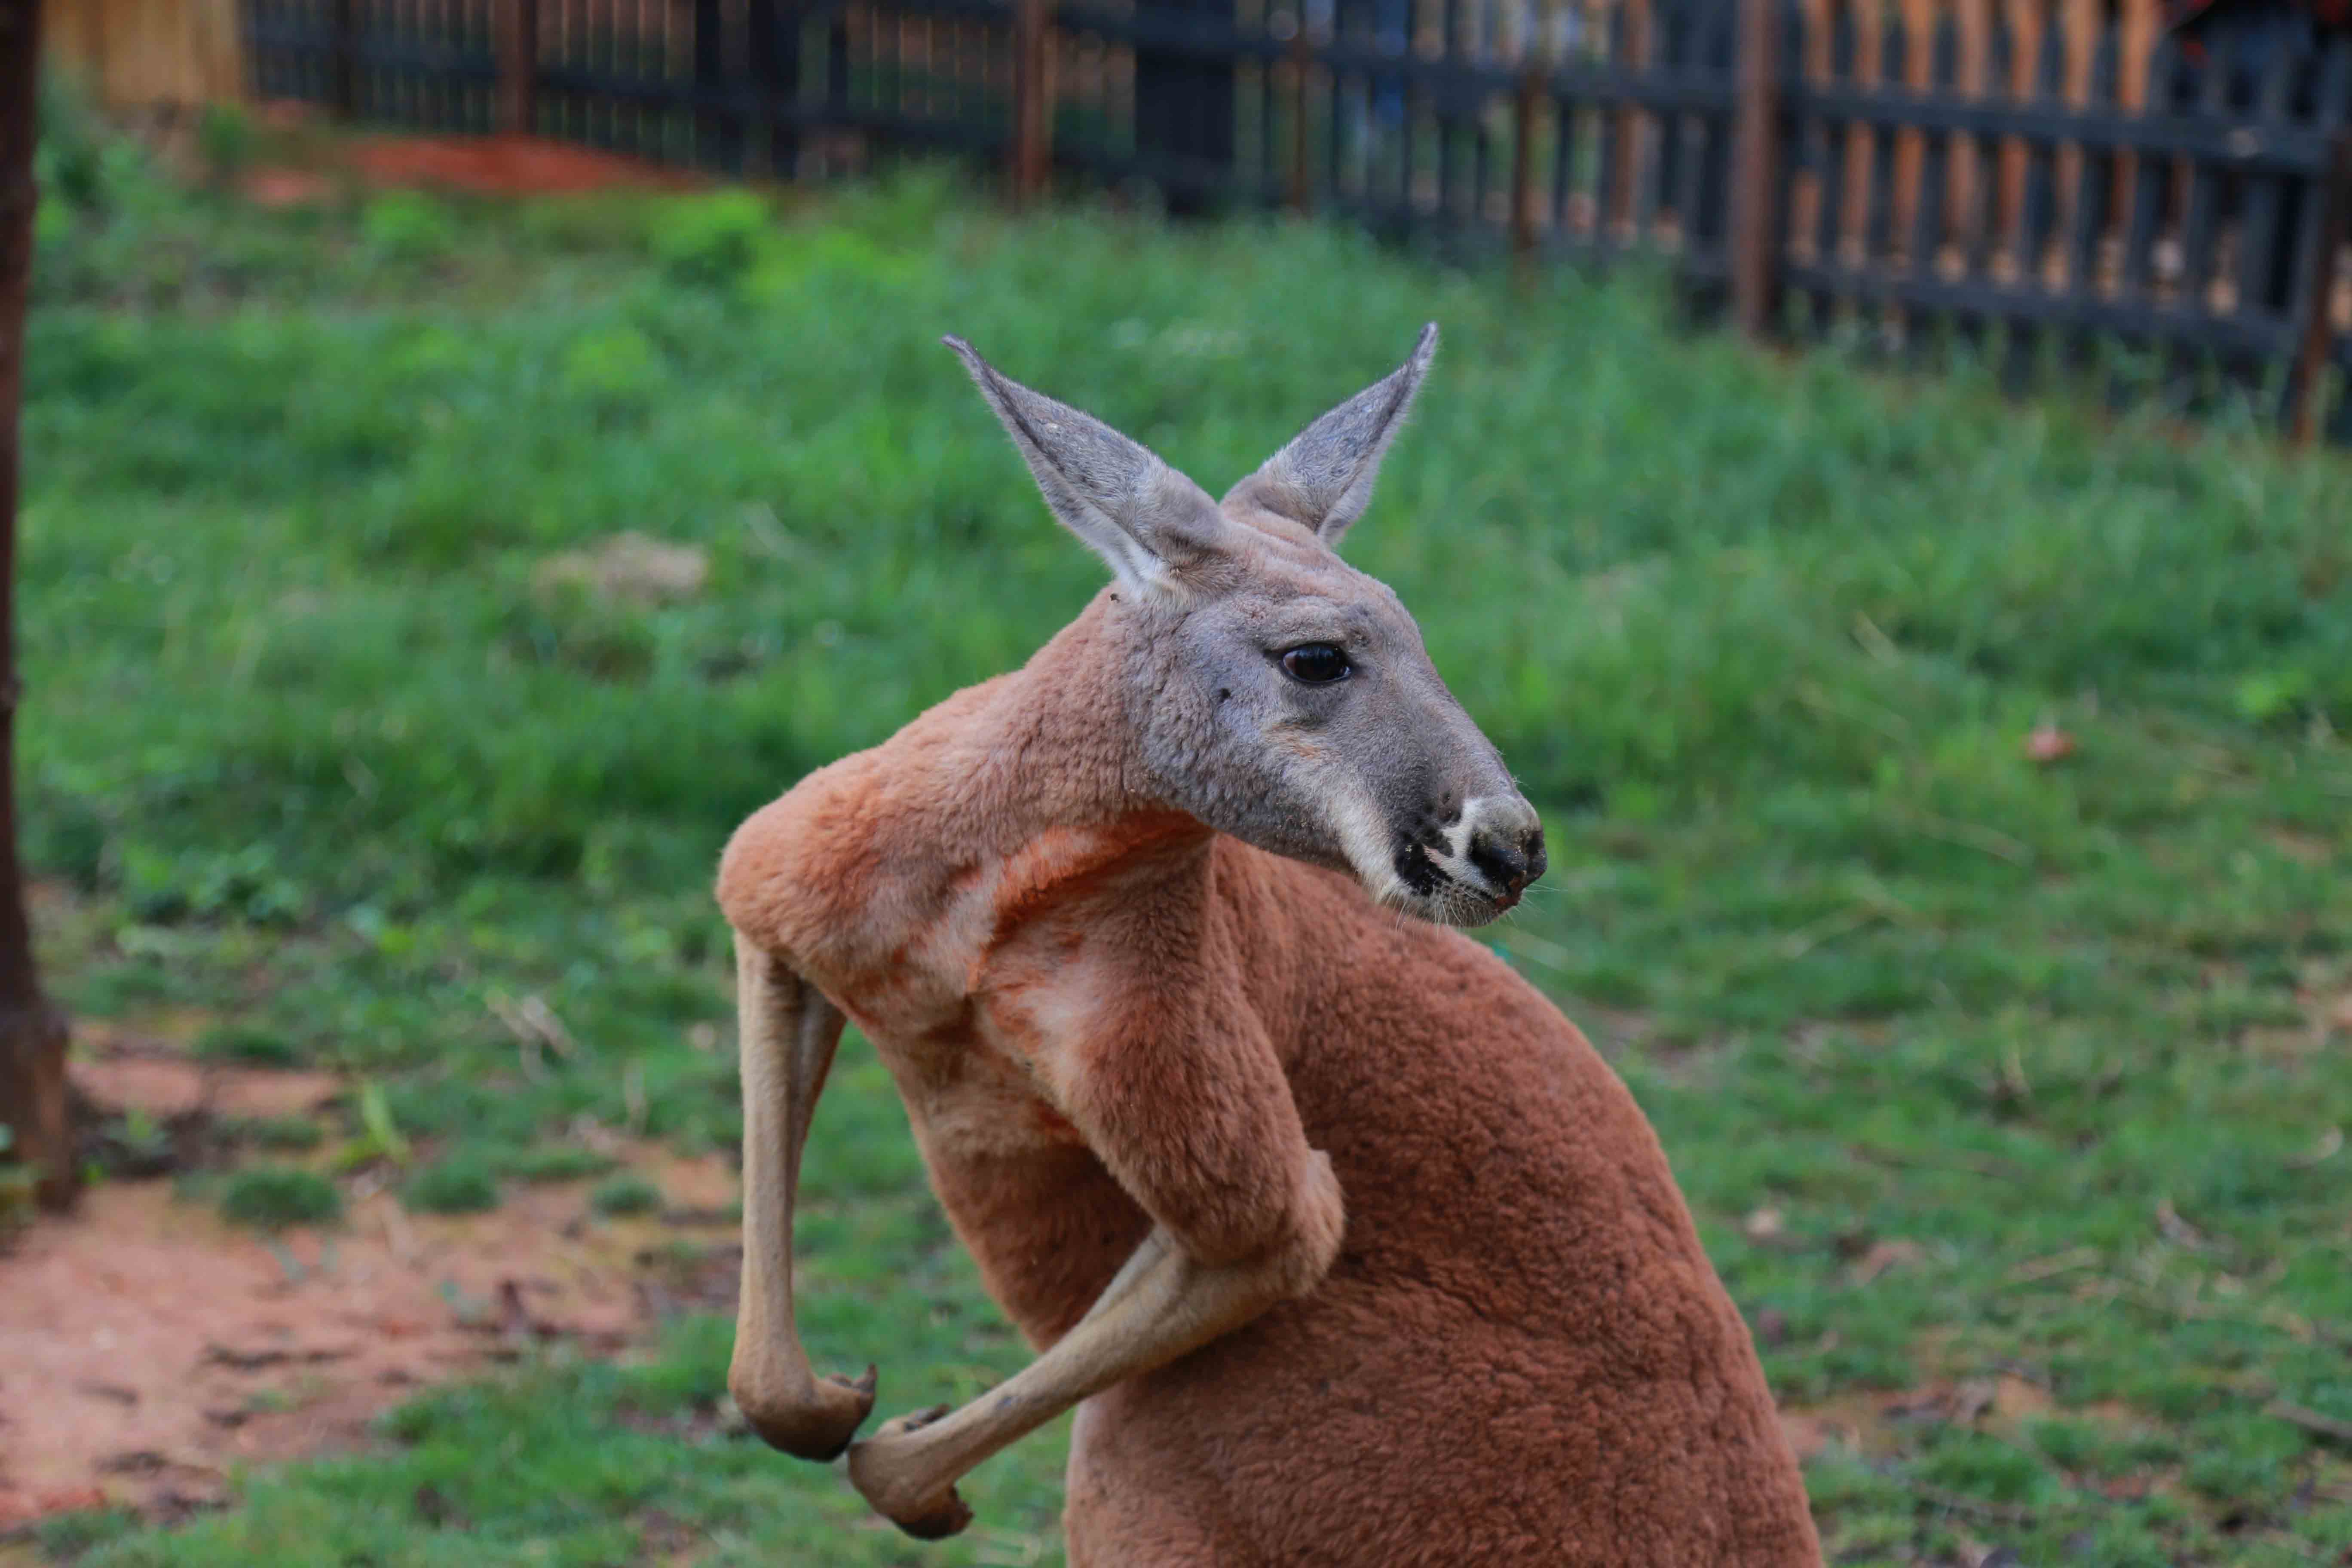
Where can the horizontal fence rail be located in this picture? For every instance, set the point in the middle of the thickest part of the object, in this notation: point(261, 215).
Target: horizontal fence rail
point(2057, 181)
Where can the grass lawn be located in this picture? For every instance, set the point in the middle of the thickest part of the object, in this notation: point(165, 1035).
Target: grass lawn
point(2009, 1092)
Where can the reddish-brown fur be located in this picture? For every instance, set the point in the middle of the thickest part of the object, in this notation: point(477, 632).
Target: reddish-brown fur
point(1104, 1017)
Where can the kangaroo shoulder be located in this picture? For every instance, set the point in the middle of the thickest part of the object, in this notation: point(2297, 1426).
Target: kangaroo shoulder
point(856, 845)
point(800, 863)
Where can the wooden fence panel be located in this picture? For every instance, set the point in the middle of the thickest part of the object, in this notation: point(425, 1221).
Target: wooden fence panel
point(2037, 173)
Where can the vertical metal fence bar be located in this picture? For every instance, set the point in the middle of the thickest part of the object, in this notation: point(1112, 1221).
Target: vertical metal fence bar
point(2094, 177)
point(2094, 195)
point(1523, 174)
point(342, 58)
point(1300, 184)
point(1185, 106)
point(1608, 188)
point(1928, 209)
point(2149, 173)
point(2261, 284)
point(1651, 153)
point(1830, 211)
point(1693, 135)
point(771, 36)
point(2037, 211)
point(1878, 221)
point(1564, 227)
point(1988, 225)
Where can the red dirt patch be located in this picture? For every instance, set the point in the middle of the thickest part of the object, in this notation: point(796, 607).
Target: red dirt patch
point(146, 1346)
point(309, 158)
point(507, 165)
point(167, 1087)
point(287, 189)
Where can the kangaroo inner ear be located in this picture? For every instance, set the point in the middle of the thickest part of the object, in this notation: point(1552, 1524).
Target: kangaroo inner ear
point(1324, 477)
point(1152, 524)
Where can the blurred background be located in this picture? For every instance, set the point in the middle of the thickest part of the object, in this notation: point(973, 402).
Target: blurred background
point(1883, 489)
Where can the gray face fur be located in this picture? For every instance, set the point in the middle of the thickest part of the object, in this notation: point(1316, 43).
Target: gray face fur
point(1235, 618)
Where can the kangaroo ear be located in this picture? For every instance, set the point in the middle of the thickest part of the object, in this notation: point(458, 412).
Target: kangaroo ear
point(1324, 477)
point(1152, 524)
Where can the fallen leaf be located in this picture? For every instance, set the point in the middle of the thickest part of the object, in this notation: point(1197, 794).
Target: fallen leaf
point(2179, 1231)
point(1882, 1257)
point(2331, 1142)
point(2048, 744)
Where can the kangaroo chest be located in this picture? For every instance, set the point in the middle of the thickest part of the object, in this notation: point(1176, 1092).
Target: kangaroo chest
point(987, 1009)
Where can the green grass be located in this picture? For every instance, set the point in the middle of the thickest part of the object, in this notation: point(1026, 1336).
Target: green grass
point(556, 1163)
point(285, 1132)
point(246, 1047)
point(2031, 1059)
point(462, 1183)
point(271, 1197)
point(626, 1194)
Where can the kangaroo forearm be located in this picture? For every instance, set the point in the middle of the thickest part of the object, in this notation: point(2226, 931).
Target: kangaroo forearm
point(789, 1032)
point(1159, 1306)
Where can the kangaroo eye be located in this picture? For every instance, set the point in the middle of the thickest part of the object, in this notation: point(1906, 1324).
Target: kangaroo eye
point(1315, 664)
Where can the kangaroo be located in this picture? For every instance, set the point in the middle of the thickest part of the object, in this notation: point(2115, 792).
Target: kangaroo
point(1345, 1243)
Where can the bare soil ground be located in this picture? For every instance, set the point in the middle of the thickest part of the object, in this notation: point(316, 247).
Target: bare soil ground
point(307, 166)
point(147, 1348)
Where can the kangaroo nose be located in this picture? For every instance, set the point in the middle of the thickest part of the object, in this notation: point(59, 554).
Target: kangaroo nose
point(1508, 858)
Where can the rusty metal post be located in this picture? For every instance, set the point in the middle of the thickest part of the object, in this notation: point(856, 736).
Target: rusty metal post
point(1033, 107)
point(2334, 217)
point(1756, 216)
point(518, 66)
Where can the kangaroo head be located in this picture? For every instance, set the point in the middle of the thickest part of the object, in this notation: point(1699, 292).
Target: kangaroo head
point(1279, 694)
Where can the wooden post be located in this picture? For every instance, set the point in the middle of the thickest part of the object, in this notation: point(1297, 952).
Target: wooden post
point(518, 66)
point(1032, 107)
point(32, 1033)
point(2318, 290)
point(1755, 180)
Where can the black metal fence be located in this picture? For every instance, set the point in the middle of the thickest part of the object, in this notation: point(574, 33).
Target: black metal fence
point(2057, 183)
